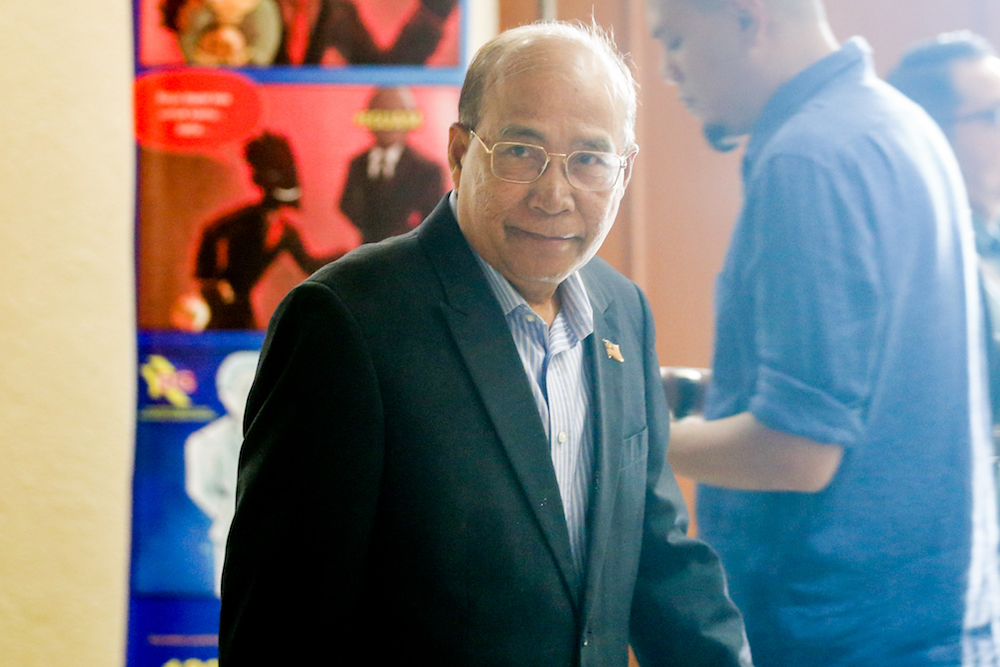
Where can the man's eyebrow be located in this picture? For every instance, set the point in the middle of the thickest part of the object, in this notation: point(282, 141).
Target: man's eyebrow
point(601, 145)
point(521, 132)
point(524, 133)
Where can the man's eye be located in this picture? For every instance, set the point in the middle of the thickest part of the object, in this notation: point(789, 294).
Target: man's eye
point(516, 151)
point(673, 43)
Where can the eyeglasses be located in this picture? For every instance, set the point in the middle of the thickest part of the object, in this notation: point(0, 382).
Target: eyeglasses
point(525, 163)
point(989, 116)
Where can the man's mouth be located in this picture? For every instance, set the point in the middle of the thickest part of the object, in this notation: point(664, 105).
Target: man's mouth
point(540, 237)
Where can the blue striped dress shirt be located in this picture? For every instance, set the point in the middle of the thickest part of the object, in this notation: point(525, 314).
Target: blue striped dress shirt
point(559, 376)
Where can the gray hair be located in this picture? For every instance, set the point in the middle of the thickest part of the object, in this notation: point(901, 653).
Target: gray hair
point(482, 72)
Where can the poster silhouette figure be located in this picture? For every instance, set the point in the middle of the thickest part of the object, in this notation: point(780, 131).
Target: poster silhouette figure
point(236, 250)
point(314, 26)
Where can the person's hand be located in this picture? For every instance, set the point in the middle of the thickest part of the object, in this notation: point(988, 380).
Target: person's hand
point(685, 389)
point(225, 291)
point(190, 313)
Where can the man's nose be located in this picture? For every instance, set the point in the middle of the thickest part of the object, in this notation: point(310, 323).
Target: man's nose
point(553, 192)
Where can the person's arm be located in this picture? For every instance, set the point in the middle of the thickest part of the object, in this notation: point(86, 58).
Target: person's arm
point(739, 452)
point(352, 199)
point(339, 26)
point(309, 481)
point(806, 282)
point(291, 241)
point(208, 272)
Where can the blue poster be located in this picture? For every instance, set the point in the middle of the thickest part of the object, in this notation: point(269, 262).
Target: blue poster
point(192, 390)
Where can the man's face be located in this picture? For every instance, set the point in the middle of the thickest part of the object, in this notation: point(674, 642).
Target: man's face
point(975, 134)
point(705, 56)
point(537, 234)
point(390, 100)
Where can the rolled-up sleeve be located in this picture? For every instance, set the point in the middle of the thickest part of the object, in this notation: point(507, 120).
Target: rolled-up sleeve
point(815, 293)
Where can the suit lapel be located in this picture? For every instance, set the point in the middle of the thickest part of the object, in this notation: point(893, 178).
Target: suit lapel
point(483, 338)
point(607, 412)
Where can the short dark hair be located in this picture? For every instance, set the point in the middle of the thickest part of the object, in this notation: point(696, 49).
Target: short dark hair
point(482, 71)
point(924, 74)
point(271, 159)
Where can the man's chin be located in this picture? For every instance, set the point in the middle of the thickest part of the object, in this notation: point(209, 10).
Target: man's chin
point(719, 137)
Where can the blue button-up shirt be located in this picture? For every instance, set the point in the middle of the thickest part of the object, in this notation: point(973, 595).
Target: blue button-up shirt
point(847, 313)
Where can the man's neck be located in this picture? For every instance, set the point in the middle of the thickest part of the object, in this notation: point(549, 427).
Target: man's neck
point(545, 304)
point(797, 45)
point(789, 48)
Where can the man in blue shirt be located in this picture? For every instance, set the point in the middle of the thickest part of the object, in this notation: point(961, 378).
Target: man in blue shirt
point(845, 459)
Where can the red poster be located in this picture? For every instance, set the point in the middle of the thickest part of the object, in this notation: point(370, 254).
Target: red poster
point(273, 136)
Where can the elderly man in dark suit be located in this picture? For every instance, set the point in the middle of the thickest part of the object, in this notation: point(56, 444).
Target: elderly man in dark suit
point(390, 187)
point(455, 444)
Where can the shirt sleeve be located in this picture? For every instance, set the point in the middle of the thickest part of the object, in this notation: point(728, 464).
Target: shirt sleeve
point(816, 292)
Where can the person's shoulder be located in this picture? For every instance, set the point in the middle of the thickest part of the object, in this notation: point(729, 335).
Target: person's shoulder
point(847, 119)
point(384, 257)
point(377, 272)
point(360, 160)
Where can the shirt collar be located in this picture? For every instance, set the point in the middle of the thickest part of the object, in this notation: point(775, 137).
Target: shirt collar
point(574, 303)
point(853, 58)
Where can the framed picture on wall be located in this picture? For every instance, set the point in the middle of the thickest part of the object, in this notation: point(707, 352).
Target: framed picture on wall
point(230, 218)
point(318, 40)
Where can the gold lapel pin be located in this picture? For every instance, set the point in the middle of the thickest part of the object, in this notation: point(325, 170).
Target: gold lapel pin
point(614, 352)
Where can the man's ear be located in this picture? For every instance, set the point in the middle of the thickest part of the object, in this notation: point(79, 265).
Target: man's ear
point(458, 146)
point(752, 18)
point(630, 162)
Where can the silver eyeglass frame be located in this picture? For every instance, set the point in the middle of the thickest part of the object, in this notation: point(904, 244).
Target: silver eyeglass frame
point(548, 159)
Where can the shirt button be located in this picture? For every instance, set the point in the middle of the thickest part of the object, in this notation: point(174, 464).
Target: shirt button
point(562, 437)
point(530, 318)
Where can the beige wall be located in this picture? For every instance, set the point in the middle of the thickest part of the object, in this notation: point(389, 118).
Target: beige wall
point(66, 334)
